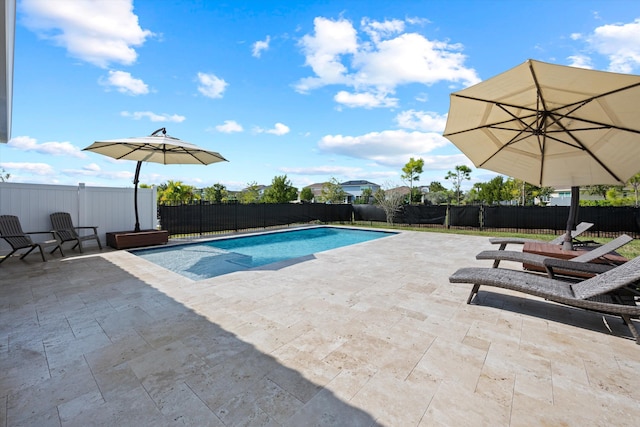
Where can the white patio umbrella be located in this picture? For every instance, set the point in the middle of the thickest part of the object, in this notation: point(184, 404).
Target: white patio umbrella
point(552, 126)
point(157, 148)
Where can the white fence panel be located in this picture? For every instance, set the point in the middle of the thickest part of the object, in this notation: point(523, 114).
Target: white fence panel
point(111, 209)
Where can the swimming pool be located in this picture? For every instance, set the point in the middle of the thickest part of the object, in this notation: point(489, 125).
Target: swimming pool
point(203, 260)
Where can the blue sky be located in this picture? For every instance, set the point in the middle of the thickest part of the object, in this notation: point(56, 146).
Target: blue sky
point(312, 89)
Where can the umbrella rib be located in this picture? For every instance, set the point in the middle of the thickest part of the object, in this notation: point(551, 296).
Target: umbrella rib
point(589, 152)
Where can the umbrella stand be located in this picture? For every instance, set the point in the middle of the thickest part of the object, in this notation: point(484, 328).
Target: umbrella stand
point(136, 177)
point(573, 216)
point(135, 196)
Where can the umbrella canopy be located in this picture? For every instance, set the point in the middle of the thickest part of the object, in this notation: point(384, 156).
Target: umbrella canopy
point(551, 125)
point(157, 148)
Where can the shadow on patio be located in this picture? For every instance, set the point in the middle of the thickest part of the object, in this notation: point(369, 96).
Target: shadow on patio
point(84, 342)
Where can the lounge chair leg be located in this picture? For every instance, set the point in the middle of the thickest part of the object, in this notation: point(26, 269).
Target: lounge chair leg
point(6, 257)
point(28, 252)
point(474, 291)
point(632, 327)
point(496, 263)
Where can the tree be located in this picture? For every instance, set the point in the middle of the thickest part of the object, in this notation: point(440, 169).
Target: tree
point(435, 187)
point(459, 174)
point(332, 192)
point(597, 190)
point(306, 195)
point(634, 182)
point(4, 176)
point(390, 201)
point(437, 193)
point(251, 194)
point(522, 192)
point(411, 172)
point(491, 192)
point(366, 195)
point(281, 191)
point(217, 193)
point(176, 192)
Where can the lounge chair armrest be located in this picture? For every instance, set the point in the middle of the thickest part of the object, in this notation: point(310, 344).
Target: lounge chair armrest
point(87, 227)
point(516, 256)
point(578, 267)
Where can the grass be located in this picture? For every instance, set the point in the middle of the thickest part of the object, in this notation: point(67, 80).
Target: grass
point(630, 250)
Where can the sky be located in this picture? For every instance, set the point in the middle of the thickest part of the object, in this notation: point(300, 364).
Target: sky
point(314, 90)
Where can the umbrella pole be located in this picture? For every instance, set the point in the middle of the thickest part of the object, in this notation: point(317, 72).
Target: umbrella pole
point(135, 195)
point(567, 245)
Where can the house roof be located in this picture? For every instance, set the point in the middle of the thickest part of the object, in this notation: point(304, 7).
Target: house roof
point(358, 182)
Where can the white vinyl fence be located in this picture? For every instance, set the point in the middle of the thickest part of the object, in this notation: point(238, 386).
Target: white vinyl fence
point(111, 209)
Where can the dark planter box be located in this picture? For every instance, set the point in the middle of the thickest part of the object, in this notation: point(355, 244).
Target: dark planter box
point(133, 239)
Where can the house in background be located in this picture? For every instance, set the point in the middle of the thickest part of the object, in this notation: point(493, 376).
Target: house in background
point(316, 189)
point(354, 189)
point(562, 197)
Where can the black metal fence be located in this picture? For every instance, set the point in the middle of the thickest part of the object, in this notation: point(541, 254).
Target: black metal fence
point(205, 218)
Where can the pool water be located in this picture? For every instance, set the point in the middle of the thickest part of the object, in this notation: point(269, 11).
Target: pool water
point(199, 261)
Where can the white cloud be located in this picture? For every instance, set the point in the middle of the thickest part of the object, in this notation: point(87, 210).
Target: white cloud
point(344, 172)
point(25, 143)
point(259, 46)
point(378, 30)
point(364, 99)
point(96, 31)
point(620, 43)
point(93, 170)
point(30, 168)
point(580, 61)
point(322, 170)
point(125, 83)
point(211, 86)
point(278, 129)
point(137, 115)
point(390, 57)
point(229, 126)
point(426, 121)
point(446, 162)
point(323, 52)
point(390, 147)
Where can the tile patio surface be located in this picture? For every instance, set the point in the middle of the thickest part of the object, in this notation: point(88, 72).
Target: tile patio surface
point(371, 334)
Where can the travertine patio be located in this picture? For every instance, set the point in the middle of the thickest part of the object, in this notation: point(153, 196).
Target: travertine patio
point(371, 334)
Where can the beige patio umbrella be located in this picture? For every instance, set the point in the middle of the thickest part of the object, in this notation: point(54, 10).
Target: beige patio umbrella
point(157, 148)
point(552, 126)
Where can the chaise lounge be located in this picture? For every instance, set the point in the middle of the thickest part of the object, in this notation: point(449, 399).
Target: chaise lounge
point(504, 241)
point(594, 254)
point(67, 232)
point(11, 232)
point(611, 292)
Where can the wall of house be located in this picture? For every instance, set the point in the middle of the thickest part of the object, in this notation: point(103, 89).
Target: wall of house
point(111, 209)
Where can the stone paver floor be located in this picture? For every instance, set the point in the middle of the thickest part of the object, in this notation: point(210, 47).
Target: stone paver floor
point(371, 334)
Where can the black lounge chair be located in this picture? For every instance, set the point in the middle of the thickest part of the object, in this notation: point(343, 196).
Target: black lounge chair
point(611, 292)
point(67, 232)
point(11, 232)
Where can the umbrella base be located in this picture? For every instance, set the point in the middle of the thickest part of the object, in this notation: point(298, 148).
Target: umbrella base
point(136, 239)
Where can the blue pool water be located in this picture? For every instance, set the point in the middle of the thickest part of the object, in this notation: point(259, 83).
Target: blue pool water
point(214, 258)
